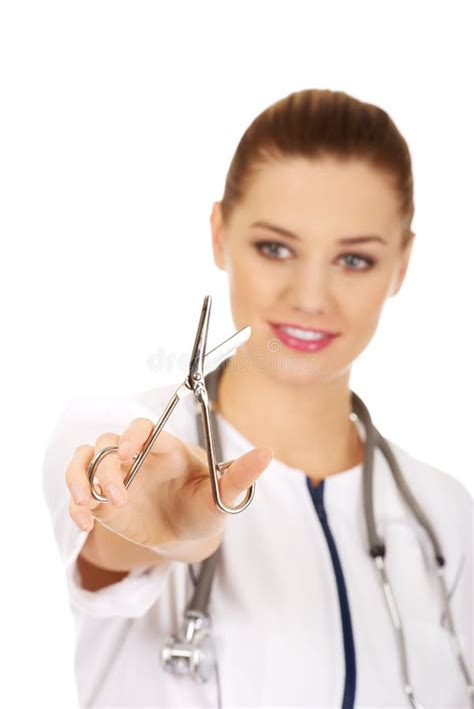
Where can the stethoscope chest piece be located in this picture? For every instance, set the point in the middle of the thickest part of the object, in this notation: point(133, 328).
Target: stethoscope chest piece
point(192, 652)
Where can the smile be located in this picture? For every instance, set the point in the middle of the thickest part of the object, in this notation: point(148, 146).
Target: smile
point(302, 340)
point(303, 334)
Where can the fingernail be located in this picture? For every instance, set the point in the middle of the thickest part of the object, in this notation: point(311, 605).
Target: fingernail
point(83, 520)
point(115, 494)
point(78, 492)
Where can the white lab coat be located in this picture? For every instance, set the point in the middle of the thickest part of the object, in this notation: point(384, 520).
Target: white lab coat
point(274, 607)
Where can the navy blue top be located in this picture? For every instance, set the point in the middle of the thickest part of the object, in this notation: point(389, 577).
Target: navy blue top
point(317, 495)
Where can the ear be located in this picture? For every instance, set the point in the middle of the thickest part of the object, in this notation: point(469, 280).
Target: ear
point(217, 231)
point(404, 261)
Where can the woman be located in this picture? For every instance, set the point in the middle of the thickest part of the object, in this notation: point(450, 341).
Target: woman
point(314, 232)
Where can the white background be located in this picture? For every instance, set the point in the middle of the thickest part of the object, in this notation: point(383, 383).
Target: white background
point(118, 123)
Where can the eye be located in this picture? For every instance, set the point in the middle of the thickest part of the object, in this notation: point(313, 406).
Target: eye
point(276, 251)
point(271, 249)
point(358, 259)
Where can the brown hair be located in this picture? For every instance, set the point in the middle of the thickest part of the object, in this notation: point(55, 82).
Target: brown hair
point(312, 123)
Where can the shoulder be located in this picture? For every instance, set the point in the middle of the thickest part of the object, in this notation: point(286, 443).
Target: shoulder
point(430, 476)
point(442, 494)
point(115, 408)
point(84, 418)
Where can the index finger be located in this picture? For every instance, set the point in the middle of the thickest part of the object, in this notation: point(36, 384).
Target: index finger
point(137, 433)
point(133, 438)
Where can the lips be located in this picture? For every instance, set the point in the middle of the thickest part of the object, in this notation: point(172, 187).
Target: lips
point(311, 341)
point(302, 327)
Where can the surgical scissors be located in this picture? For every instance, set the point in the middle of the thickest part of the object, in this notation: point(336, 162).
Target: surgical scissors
point(201, 363)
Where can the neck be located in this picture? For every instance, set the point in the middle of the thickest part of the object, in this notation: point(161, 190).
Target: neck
point(307, 427)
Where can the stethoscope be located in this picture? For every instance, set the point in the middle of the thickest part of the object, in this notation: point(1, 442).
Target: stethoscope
point(192, 651)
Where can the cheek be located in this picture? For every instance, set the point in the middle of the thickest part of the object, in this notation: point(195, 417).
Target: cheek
point(366, 303)
point(247, 279)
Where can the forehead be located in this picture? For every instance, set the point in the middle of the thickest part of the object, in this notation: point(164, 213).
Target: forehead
point(321, 195)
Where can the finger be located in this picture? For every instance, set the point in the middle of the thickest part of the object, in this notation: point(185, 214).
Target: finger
point(172, 453)
point(175, 455)
point(244, 471)
point(133, 438)
point(81, 516)
point(76, 476)
point(109, 474)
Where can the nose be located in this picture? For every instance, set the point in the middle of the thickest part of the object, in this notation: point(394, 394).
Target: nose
point(310, 288)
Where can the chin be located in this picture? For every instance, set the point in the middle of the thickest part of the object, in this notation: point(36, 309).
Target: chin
point(283, 366)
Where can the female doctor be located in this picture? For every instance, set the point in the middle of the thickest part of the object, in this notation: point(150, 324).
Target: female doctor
point(314, 232)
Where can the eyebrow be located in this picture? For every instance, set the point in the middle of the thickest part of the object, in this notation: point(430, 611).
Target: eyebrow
point(345, 240)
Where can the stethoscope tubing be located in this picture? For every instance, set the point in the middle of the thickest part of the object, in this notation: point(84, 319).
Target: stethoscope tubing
point(198, 606)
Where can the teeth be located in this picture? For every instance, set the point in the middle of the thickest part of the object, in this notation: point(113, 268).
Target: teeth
point(302, 334)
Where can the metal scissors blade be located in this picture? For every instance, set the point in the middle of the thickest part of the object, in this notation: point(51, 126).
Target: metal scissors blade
point(217, 355)
point(220, 353)
point(201, 363)
point(196, 367)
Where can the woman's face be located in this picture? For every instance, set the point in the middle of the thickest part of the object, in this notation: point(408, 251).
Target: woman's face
point(284, 253)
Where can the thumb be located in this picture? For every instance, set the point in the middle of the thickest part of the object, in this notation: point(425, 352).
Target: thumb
point(238, 477)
